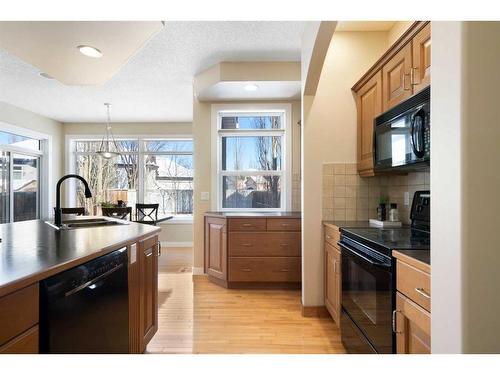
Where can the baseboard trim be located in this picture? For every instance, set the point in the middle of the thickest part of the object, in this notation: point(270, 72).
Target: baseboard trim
point(315, 312)
point(198, 271)
point(176, 244)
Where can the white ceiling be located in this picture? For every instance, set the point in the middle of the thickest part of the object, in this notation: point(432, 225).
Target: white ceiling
point(52, 46)
point(155, 85)
point(364, 25)
point(235, 90)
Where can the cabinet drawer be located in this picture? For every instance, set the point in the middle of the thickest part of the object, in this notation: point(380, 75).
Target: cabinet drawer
point(264, 244)
point(332, 236)
point(243, 224)
point(18, 312)
point(413, 326)
point(272, 269)
point(26, 343)
point(414, 284)
point(283, 224)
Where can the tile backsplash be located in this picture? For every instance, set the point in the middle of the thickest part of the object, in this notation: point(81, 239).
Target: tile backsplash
point(347, 196)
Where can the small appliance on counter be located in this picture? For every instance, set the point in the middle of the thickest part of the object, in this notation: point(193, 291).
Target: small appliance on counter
point(369, 277)
point(402, 136)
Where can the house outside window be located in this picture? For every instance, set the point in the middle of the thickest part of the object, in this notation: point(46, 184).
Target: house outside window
point(146, 171)
point(253, 160)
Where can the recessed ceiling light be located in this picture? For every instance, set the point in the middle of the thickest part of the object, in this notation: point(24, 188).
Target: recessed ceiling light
point(251, 87)
point(89, 51)
point(45, 75)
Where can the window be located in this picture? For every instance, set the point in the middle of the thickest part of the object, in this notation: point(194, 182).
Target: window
point(146, 171)
point(20, 158)
point(252, 160)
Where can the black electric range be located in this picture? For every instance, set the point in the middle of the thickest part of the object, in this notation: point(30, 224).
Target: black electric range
point(369, 278)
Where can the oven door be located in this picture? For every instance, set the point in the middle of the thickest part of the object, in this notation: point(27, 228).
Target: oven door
point(367, 296)
point(404, 140)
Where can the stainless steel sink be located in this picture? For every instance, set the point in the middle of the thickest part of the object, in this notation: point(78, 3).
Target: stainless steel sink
point(88, 223)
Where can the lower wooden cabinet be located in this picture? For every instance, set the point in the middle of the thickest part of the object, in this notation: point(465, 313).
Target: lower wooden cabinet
point(333, 275)
point(254, 251)
point(25, 343)
point(412, 326)
point(148, 289)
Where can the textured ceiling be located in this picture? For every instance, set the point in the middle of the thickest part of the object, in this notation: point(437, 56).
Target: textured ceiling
point(364, 25)
point(155, 85)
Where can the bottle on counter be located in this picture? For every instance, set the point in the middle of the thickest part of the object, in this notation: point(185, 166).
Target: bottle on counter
point(381, 212)
point(393, 212)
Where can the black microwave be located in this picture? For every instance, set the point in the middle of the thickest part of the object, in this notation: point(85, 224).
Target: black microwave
point(402, 136)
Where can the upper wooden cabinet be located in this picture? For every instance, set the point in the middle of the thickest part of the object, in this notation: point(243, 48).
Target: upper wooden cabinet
point(402, 71)
point(396, 78)
point(421, 69)
point(369, 106)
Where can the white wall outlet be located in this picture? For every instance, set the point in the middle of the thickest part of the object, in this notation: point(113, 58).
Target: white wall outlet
point(205, 196)
point(407, 198)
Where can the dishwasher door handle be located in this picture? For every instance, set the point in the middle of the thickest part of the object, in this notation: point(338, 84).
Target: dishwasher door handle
point(88, 283)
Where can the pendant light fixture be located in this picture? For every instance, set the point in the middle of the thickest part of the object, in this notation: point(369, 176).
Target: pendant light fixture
point(109, 148)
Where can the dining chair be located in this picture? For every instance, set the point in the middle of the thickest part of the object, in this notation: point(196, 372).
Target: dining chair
point(79, 211)
point(146, 213)
point(123, 213)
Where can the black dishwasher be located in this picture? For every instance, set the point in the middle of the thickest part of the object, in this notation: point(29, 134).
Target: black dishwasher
point(85, 309)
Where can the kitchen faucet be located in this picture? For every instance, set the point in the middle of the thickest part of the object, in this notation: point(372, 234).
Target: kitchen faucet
point(58, 211)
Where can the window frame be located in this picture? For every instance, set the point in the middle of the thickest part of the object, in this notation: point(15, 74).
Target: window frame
point(45, 168)
point(71, 153)
point(242, 109)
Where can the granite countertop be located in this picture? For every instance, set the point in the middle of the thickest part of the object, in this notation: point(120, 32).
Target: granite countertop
point(33, 250)
point(285, 214)
point(423, 256)
point(347, 224)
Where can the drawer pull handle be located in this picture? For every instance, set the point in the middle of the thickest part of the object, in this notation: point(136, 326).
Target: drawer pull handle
point(328, 237)
point(246, 244)
point(422, 292)
point(246, 269)
point(285, 224)
point(284, 244)
point(284, 270)
point(247, 225)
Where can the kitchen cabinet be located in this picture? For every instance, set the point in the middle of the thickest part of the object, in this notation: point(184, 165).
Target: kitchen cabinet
point(333, 275)
point(403, 70)
point(253, 251)
point(369, 106)
point(411, 320)
point(421, 68)
point(148, 250)
point(216, 247)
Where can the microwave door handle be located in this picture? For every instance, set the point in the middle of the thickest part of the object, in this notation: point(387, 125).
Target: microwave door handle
point(419, 153)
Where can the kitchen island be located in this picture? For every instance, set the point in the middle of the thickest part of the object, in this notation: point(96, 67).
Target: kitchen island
point(32, 251)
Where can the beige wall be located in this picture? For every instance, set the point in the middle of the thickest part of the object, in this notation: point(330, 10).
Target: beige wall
point(329, 135)
point(481, 185)
point(22, 118)
point(203, 174)
point(172, 233)
point(397, 30)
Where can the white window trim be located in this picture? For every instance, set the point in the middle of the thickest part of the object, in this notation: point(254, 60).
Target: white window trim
point(240, 108)
point(45, 172)
point(69, 166)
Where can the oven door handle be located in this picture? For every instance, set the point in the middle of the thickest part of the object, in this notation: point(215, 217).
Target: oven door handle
point(364, 257)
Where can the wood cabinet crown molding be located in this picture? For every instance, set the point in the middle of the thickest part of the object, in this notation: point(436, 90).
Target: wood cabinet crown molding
point(404, 39)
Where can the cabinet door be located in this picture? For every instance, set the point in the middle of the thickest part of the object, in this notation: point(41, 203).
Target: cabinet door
point(369, 106)
point(148, 313)
point(396, 78)
point(332, 281)
point(216, 247)
point(421, 70)
point(413, 327)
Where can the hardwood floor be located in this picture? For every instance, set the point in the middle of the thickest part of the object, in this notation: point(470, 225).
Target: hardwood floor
point(200, 317)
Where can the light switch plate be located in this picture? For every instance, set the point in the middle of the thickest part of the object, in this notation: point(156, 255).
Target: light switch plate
point(407, 198)
point(205, 196)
